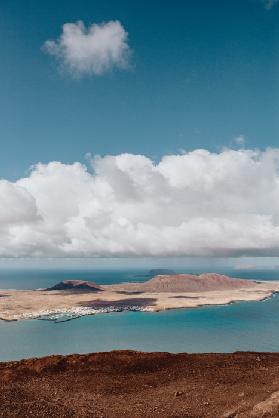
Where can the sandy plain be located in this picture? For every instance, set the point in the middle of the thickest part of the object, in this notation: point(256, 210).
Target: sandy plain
point(159, 293)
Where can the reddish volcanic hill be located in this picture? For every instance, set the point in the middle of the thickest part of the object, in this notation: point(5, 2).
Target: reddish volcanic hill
point(76, 285)
point(193, 283)
point(136, 385)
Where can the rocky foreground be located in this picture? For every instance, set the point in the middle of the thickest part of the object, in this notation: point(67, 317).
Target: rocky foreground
point(135, 385)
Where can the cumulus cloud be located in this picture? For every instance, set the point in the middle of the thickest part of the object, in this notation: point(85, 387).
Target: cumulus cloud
point(196, 203)
point(269, 4)
point(93, 50)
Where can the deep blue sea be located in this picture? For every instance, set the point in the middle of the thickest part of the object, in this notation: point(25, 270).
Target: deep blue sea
point(241, 326)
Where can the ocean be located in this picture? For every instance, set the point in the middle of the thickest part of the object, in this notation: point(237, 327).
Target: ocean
point(245, 326)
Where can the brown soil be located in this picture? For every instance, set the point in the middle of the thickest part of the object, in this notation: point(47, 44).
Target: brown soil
point(192, 283)
point(132, 384)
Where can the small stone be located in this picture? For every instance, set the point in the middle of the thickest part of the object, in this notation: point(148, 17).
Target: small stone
point(178, 393)
point(230, 414)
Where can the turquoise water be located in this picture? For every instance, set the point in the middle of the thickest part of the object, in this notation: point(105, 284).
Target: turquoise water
point(33, 279)
point(242, 326)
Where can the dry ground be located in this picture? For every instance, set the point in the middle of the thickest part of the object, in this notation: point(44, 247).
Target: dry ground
point(135, 385)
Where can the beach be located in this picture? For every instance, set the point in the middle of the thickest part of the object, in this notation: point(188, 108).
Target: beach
point(159, 293)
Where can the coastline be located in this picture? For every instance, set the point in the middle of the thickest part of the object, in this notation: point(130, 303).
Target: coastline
point(55, 305)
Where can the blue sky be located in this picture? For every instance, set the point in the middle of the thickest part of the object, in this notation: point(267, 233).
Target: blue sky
point(202, 73)
point(139, 129)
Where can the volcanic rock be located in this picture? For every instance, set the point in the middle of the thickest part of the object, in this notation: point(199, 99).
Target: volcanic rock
point(76, 285)
point(193, 283)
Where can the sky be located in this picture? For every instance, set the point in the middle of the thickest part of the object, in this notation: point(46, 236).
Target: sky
point(139, 128)
point(201, 74)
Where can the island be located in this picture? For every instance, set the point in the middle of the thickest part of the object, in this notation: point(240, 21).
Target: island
point(74, 298)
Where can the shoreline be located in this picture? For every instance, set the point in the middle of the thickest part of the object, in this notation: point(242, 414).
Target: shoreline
point(71, 299)
point(70, 314)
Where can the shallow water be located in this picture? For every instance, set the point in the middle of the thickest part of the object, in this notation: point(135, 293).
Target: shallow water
point(241, 326)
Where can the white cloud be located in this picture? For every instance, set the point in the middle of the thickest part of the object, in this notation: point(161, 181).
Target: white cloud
point(96, 50)
point(269, 4)
point(197, 203)
point(240, 140)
